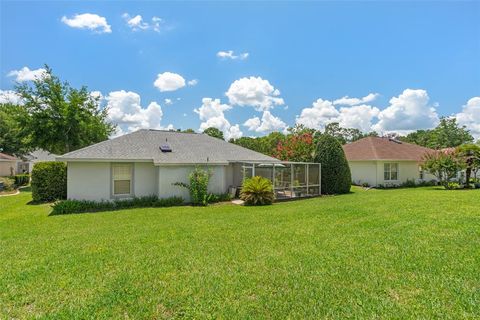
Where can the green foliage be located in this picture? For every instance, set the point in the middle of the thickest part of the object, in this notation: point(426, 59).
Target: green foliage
point(14, 135)
point(336, 176)
point(447, 134)
point(444, 166)
point(198, 186)
point(470, 155)
point(49, 181)
point(81, 206)
point(8, 183)
point(189, 130)
point(346, 135)
point(62, 118)
point(214, 132)
point(257, 191)
point(410, 183)
point(21, 179)
point(222, 197)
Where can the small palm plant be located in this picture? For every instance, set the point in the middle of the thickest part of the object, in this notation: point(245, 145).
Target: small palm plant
point(257, 191)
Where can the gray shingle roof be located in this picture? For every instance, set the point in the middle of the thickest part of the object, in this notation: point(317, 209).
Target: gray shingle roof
point(187, 148)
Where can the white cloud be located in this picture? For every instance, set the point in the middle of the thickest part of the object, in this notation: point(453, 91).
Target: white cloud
point(10, 96)
point(255, 92)
point(211, 113)
point(409, 111)
point(89, 21)
point(125, 109)
point(25, 74)
point(268, 123)
point(192, 82)
point(231, 55)
point(321, 113)
point(169, 81)
point(355, 101)
point(137, 23)
point(168, 101)
point(358, 117)
point(470, 116)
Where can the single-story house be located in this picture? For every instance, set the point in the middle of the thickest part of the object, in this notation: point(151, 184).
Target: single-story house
point(8, 165)
point(28, 161)
point(149, 162)
point(379, 161)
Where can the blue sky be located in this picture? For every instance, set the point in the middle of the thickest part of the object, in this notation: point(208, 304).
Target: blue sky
point(413, 61)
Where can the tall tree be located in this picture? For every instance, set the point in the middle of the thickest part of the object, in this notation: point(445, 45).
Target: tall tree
point(62, 118)
point(470, 155)
point(214, 132)
point(14, 138)
point(346, 135)
point(448, 134)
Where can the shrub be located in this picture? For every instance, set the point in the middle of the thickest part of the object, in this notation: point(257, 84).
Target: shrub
point(8, 183)
point(410, 183)
point(444, 166)
point(257, 191)
point(21, 179)
point(81, 206)
point(49, 181)
point(214, 198)
point(336, 176)
point(365, 185)
point(198, 186)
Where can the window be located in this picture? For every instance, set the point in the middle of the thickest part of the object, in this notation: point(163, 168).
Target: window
point(122, 178)
point(390, 171)
point(421, 174)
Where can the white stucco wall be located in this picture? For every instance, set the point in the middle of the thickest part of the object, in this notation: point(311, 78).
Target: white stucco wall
point(145, 179)
point(88, 180)
point(372, 172)
point(171, 174)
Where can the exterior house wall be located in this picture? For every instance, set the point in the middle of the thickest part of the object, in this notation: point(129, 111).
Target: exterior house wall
point(372, 172)
point(6, 167)
point(88, 180)
point(145, 182)
point(167, 175)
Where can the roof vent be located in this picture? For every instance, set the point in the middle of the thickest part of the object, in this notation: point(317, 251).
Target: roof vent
point(395, 140)
point(165, 148)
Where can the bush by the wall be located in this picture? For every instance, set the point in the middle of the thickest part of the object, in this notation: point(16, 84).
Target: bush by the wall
point(257, 191)
point(82, 206)
point(21, 179)
point(214, 198)
point(336, 176)
point(198, 186)
point(8, 183)
point(49, 181)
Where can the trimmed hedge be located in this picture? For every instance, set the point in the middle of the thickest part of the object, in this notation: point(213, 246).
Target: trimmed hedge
point(49, 181)
point(82, 206)
point(336, 176)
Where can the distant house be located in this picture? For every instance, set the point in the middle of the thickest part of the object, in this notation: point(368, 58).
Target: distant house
point(28, 161)
point(149, 162)
point(8, 165)
point(382, 161)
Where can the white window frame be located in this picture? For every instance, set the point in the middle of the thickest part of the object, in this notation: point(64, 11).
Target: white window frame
point(389, 171)
point(112, 180)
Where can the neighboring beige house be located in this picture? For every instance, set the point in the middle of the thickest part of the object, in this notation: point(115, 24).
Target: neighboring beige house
point(386, 162)
point(149, 162)
point(8, 165)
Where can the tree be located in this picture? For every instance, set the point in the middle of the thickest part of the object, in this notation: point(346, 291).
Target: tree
point(346, 135)
point(470, 155)
point(14, 138)
point(62, 118)
point(448, 134)
point(188, 131)
point(214, 132)
point(444, 166)
point(336, 176)
point(296, 147)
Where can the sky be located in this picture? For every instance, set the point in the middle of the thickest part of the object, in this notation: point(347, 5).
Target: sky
point(249, 68)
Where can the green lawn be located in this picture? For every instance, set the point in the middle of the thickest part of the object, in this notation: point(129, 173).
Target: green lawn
point(406, 253)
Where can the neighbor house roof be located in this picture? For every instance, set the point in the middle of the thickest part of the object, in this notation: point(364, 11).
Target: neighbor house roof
point(7, 157)
point(40, 155)
point(376, 148)
point(187, 148)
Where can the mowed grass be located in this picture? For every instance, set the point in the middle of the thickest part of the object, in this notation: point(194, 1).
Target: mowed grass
point(406, 253)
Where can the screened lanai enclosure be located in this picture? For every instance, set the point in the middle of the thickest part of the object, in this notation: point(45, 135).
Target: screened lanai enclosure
point(289, 179)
